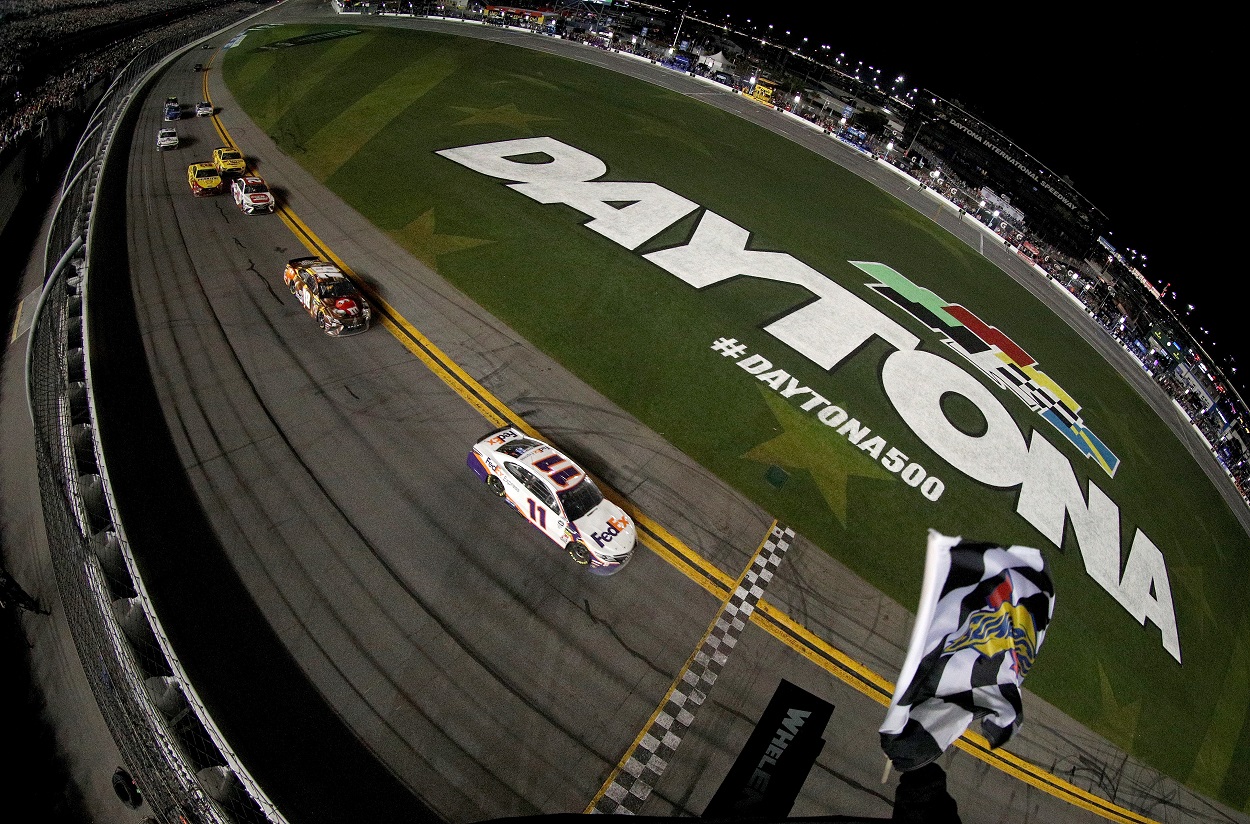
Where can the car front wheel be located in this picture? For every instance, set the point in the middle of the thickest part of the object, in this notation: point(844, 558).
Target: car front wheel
point(578, 552)
point(495, 485)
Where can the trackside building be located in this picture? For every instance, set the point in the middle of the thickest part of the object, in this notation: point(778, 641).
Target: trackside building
point(982, 156)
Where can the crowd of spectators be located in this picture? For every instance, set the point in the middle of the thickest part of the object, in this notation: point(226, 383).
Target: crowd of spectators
point(35, 80)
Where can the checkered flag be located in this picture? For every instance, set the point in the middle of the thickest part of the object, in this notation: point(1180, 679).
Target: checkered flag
point(983, 614)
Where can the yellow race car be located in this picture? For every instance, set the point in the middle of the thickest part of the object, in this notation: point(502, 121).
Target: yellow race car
point(229, 161)
point(203, 179)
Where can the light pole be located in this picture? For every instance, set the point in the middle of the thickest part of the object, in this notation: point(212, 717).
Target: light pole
point(679, 25)
point(912, 142)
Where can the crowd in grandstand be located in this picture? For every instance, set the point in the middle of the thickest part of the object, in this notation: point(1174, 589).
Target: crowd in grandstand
point(31, 86)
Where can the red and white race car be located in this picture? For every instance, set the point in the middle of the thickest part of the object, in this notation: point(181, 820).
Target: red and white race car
point(553, 493)
point(251, 194)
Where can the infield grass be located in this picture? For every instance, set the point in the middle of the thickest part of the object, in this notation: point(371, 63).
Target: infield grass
point(366, 113)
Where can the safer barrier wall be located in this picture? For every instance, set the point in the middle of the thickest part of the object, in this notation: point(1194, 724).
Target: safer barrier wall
point(181, 763)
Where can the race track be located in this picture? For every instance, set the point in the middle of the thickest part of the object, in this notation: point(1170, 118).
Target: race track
point(475, 662)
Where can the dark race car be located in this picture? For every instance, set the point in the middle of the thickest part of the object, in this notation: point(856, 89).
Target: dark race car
point(328, 295)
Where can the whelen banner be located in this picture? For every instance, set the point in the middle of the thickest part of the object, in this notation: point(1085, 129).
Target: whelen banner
point(769, 772)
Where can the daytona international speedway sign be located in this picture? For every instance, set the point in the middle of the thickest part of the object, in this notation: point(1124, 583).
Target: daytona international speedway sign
point(832, 328)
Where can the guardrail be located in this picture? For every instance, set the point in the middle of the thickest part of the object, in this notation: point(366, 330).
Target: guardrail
point(181, 763)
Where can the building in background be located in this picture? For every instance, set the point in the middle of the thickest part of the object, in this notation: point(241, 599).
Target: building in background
point(979, 155)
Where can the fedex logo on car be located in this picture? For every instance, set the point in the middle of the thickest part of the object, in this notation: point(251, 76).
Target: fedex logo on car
point(502, 438)
point(615, 527)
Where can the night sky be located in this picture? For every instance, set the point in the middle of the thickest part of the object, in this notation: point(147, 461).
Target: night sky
point(1126, 108)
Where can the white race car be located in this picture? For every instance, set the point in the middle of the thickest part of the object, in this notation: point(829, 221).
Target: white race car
point(166, 139)
point(251, 194)
point(555, 495)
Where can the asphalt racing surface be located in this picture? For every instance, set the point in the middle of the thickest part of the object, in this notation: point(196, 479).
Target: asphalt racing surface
point(377, 633)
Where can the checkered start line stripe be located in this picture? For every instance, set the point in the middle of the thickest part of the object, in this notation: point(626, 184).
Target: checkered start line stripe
point(639, 770)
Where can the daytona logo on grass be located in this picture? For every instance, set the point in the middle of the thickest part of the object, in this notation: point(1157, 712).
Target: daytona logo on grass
point(829, 331)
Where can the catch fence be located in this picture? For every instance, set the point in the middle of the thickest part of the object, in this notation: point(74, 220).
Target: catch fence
point(180, 763)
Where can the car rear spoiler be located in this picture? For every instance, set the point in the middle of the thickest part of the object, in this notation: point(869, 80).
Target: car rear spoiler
point(494, 432)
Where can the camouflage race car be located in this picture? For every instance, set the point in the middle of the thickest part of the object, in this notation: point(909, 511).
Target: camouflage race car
point(229, 161)
point(328, 295)
point(557, 497)
point(203, 179)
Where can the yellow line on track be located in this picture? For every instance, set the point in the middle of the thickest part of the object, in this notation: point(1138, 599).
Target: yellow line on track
point(17, 321)
point(672, 550)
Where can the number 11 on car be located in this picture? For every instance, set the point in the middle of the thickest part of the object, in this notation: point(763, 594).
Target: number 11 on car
point(538, 514)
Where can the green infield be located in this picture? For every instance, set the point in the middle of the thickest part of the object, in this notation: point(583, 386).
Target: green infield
point(857, 383)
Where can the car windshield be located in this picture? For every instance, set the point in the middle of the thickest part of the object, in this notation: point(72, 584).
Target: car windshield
point(580, 499)
point(254, 188)
point(231, 156)
point(168, 133)
point(338, 289)
point(205, 173)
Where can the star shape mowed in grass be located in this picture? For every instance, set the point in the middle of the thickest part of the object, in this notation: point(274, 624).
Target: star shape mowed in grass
point(807, 444)
point(506, 115)
point(419, 238)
